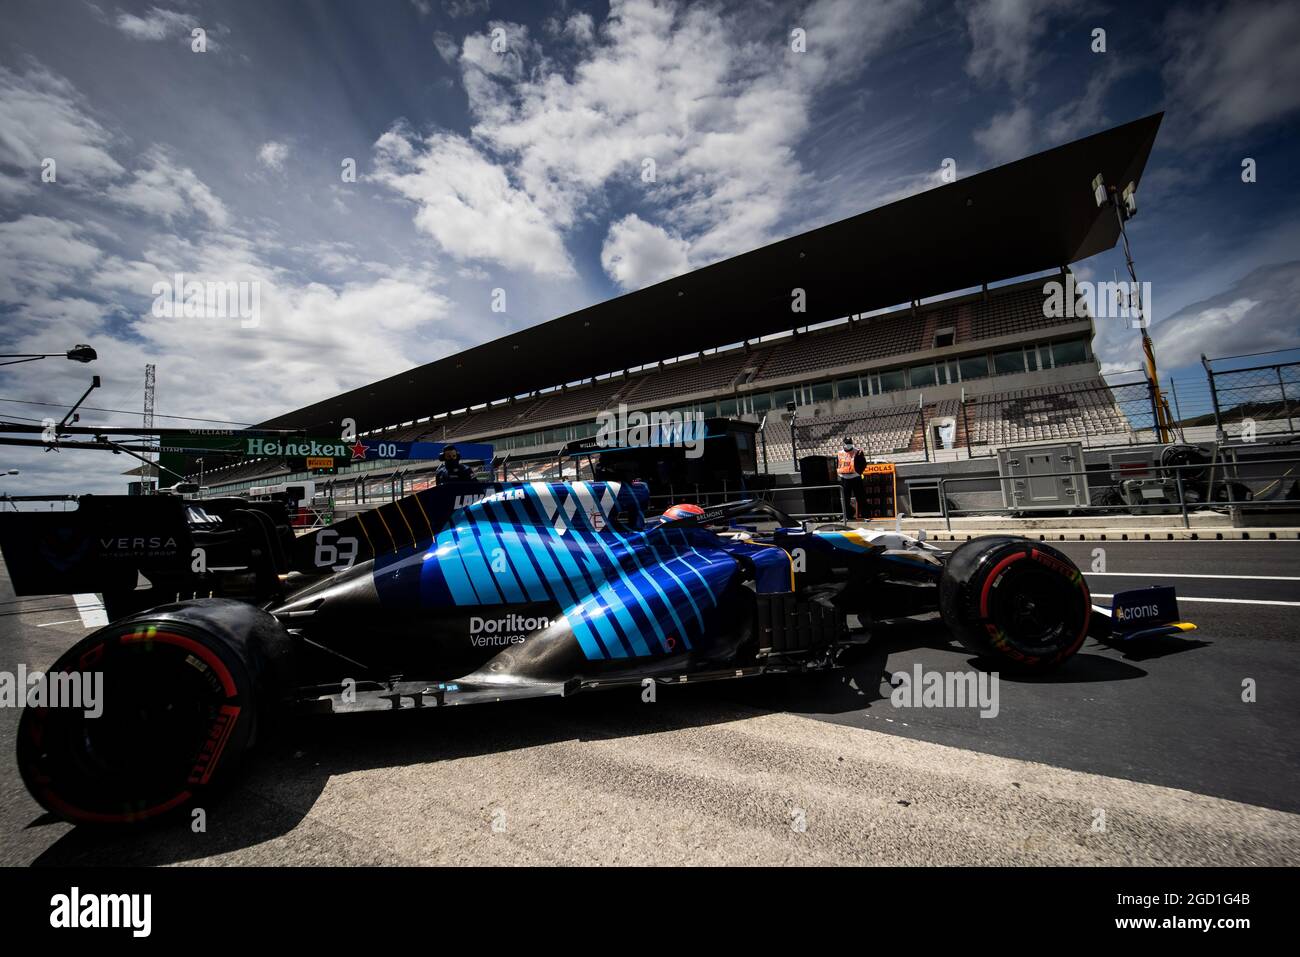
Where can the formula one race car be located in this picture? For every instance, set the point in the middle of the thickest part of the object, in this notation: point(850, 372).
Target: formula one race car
point(221, 620)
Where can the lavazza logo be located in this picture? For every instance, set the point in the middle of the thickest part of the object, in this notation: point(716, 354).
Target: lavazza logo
point(513, 629)
point(509, 495)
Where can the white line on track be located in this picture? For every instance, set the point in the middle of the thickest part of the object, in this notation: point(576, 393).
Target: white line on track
point(1224, 601)
point(91, 610)
point(1248, 578)
point(66, 621)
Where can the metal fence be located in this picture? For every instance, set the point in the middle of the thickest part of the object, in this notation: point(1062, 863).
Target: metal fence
point(1270, 484)
point(1098, 415)
point(1117, 410)
point(1252, 401)
point(885, 433)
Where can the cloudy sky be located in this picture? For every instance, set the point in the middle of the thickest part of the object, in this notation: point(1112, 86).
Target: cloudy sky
point(505, 146)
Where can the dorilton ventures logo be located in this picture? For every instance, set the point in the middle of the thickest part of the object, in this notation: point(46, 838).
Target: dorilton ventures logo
point(513, 629)
point(299, 448)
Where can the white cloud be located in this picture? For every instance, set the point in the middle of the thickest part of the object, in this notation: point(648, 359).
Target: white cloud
point(718, 112)
point(1017, 132)
point(1006, 38)
point(38, 253)
point(580, 27)
point(468, 204)
point(1007, 136)
point(273, 154)
point(313, 338)
point(637, 253)
point(842, 34)
point(42, 115)
point(1234, 67)
point(464, 8)
point(1260, 312)
point(1087, 113)
point(157, 24)
point(446, 47)
point(163, 189)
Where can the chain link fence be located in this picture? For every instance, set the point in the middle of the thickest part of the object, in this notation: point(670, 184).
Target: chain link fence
point(1116, 410)
point(1097, 414)
point(1259, 400)
point(897, 434)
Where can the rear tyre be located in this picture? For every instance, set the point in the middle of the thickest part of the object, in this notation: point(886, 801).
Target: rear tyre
point(1020, 604)
point(184, 694)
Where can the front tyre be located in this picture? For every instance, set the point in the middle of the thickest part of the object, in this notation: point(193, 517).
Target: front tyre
point(1018, 603)
point(184, 692)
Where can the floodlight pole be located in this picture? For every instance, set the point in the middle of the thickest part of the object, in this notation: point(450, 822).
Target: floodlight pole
point(1160, 405)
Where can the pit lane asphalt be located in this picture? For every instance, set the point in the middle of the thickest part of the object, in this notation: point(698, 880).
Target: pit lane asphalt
point(1157, 736)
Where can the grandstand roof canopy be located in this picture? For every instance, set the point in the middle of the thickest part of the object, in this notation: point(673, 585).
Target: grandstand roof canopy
point(1033, 214)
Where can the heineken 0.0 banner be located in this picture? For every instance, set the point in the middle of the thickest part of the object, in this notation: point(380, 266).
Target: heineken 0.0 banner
point(311, 453)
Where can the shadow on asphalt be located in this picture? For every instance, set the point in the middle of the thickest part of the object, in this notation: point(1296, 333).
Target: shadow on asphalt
point(281, 786)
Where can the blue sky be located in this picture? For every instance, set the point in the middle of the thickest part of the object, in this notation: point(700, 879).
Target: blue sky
point(519, 166)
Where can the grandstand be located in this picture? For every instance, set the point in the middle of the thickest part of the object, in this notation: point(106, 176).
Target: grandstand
point(964, 367)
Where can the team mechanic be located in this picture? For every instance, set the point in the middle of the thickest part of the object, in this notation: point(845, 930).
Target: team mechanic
point(849, 466)
point(452, 468)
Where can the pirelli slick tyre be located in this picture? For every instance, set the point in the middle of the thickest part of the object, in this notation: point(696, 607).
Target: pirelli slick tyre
point(185, 693)
point(1020, 604)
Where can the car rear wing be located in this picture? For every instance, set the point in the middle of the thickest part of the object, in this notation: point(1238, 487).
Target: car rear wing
point(107, 542)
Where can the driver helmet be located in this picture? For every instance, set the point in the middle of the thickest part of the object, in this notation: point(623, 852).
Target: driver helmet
point(681, 511)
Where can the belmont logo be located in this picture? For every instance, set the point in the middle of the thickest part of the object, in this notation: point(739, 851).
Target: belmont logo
point(1130, 301)
point(623, 429)
point(511, 630)
point(299, 448)
point(194, 299)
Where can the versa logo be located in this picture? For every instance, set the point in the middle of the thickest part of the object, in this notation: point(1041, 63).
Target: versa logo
point(126, 543)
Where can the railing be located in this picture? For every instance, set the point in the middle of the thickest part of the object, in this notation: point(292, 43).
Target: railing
point(1185, 477)
point(1117, 411)
point(1097, 415)
point(883, 433)
point(706, 498)
point(1255, 400)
